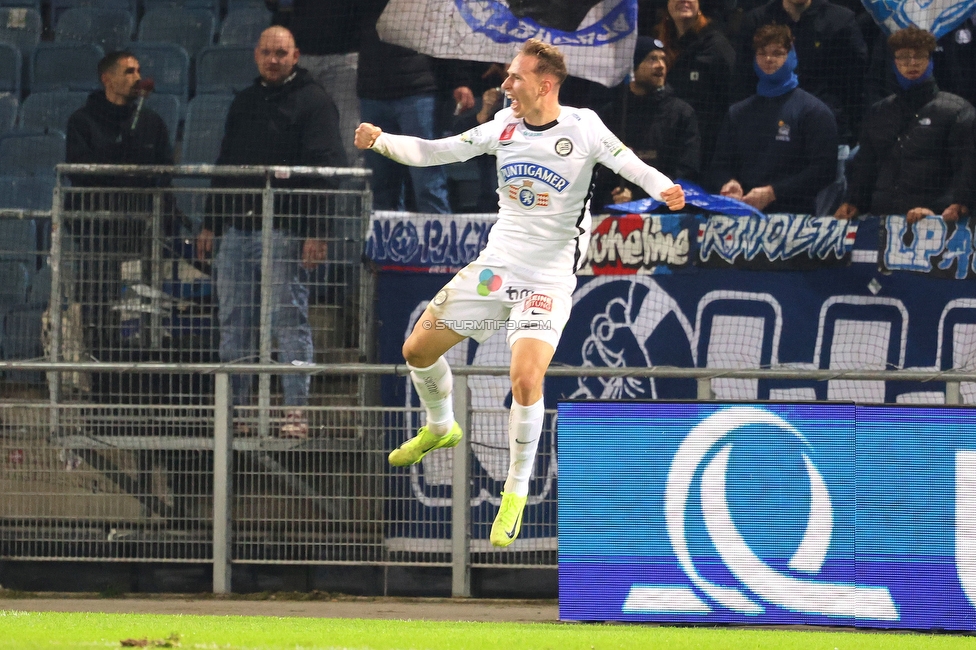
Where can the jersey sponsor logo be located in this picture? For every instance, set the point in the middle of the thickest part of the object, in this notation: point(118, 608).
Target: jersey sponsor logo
point(539, 301)
point(528, 197)
point(564, 146)
point(488, 282)
point(506, 136)
point(515, 170)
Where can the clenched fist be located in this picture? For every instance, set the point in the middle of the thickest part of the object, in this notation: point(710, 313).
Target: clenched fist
point(674, 196)
point(366, 135)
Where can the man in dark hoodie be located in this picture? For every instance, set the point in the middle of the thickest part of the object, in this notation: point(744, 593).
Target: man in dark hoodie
point(777, 149)
point(113, 127)
point(917, 152)
point(284, 118)
point(650, 119)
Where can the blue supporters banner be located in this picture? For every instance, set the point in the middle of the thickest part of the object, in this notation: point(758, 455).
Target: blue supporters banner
point(937, 16)
point(597, 37)
point(782, 513)
point(695, 196)
point(929, 246)
point(434, 243)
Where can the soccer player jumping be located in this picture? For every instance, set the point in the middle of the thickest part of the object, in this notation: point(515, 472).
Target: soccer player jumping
point(523, 281)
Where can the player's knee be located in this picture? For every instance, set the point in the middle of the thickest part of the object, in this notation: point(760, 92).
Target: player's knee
point(527, 386)
point(414, 354)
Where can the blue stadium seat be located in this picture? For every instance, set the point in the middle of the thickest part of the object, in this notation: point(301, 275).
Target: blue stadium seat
point(168, 107)
point(27, 193)
point(39, 293)
point(110, 29)
point(31, 154)
point(8, 113)
point(14, 280)
point(204, 128)
point(235, 5)
point(22, 340)
point(31, 4)
point(11, 69)
point(168, 65)
point(65, 66)
point(193, 29)
point(18, 239)
point(244, 26)
point(21, 28)
point(225, 69)
point(58, 7)
point(50, 110)
point(212, 6)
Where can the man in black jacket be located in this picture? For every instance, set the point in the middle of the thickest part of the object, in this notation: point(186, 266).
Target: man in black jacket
point(650, 119)
point(284, 118)
point(113, 127)
point(917, 151)
point(830, 52)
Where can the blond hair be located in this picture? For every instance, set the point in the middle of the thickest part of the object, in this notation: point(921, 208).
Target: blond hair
point(549, 60)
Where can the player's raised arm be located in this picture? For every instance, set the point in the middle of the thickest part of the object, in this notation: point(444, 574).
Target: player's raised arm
point(418, 152)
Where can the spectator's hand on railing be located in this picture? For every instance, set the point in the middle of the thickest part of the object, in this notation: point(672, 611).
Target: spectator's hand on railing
point(917, 214)
point(846, 211)
point(732, 189)
point(954, 212)
point(760, 197)
point(674, 196)
point(314, 252)
point(366, 135)
point(204, 244)
point(621, 195)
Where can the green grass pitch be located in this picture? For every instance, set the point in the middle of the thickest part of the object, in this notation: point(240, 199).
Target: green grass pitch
point(83, 630)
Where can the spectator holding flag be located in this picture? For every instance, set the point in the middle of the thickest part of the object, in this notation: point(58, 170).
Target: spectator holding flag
point(916, 151)
point(778, 148)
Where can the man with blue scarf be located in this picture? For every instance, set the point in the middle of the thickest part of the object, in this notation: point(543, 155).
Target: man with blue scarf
point(778, 148)
point(916, 155)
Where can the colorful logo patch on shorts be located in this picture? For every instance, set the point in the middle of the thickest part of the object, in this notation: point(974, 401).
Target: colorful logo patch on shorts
point(539, 301)
point(488, 282)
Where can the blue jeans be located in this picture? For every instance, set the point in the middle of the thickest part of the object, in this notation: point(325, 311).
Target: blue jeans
point(412, 115)
point(238, 270)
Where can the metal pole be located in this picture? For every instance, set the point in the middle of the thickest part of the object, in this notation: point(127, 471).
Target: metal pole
point(156, 272)
point(953, 395)
point(460, 495)
point(264, 379)
point(223, 487)
point(55, 304)
point(705, 388)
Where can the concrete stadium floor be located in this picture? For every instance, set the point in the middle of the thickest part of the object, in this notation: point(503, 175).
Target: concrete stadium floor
point(431, 609)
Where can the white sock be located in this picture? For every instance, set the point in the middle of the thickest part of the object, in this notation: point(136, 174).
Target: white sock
point(524, 431)
point(434, 385)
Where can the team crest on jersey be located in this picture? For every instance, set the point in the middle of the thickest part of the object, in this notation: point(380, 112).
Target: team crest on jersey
point(564, 147)
point(506, 136)
point(527, 196)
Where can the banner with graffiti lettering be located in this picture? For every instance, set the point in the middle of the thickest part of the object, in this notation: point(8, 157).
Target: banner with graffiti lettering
point(431, 243)
point(931, 246)
point(783, 241)
point(596, 36)
point(936, 16)
point(647, 244)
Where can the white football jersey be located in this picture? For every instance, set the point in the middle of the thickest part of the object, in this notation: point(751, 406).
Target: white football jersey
point(544, 179)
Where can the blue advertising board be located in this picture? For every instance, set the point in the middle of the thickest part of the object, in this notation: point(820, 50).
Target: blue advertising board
point(800, 513)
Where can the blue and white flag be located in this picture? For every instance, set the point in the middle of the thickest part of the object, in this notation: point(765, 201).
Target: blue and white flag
point(596, 36)
point(695, 196)
point(936, 16)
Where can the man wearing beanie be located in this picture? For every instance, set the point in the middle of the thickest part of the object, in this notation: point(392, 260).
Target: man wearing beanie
point(778, 148)
point(916, 156)
point(650, 119)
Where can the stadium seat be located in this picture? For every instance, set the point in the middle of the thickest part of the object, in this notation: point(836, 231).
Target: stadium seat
point(193, 29)
point(31, 154)
point(50, 110)
point(225, 69)
point(18, 239)
point(204, 128)
point(210, 5)
point(30, 4)
point(8, 113)
point(244, 27)
point(26, 192)
point(58, 7)
point(21, 27)
point(11, 69)
point(168, 65)
point(168, 107)
point(236, 5)
point(14, 280)
point(65, 66)
point(110, 29)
